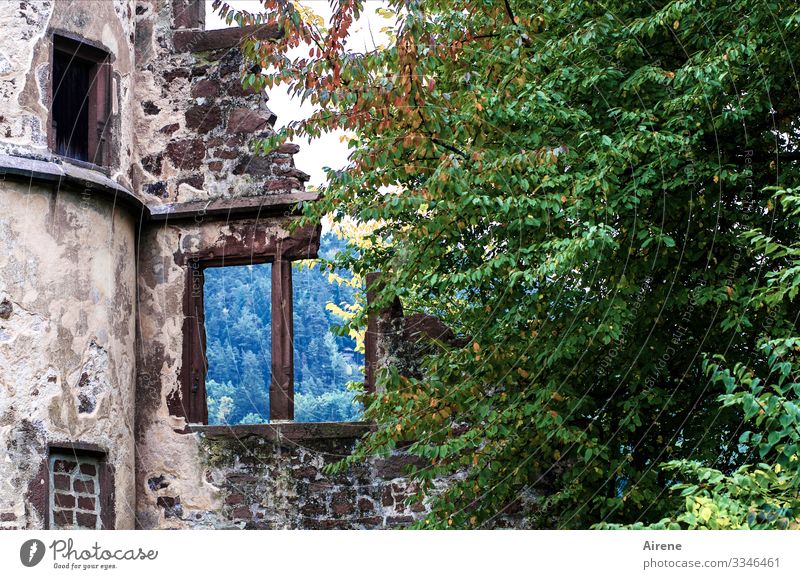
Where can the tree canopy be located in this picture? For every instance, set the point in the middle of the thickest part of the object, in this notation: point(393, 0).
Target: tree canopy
point(583, 189)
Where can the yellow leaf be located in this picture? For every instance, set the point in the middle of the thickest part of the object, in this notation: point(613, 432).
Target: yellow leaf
point(676, 24)
point(399, 427)
point(522, 372)
point(716, 178)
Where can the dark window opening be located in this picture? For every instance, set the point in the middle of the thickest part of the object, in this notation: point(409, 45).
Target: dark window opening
point(81, 97)
point(237, 305)
point(72, 80)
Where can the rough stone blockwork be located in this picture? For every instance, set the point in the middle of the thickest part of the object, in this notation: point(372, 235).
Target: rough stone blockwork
point(74, 492)
point(201, 119)
point(267, 485)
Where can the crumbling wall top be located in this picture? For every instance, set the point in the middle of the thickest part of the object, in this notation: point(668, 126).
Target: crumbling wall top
point(195, 122)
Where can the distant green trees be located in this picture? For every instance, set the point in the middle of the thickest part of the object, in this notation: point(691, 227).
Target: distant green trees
point(239, 344)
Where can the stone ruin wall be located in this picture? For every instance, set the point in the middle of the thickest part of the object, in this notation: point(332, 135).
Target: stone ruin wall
point(195, 121)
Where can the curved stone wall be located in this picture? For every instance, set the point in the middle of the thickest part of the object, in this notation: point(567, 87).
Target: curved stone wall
point(67, 341)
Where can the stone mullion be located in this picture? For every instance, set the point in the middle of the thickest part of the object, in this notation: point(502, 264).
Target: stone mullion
point(281, 392)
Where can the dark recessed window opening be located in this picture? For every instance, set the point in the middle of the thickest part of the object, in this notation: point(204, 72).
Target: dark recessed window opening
point(72, 81)
point(81, 90)
point(237, 308)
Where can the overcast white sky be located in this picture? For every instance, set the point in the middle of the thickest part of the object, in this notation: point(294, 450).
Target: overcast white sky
point(327, 151)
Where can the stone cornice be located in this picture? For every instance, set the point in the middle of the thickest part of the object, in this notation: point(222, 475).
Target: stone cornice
point(59, 172)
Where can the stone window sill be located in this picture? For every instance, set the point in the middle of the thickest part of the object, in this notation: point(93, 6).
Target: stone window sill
point(286, 431)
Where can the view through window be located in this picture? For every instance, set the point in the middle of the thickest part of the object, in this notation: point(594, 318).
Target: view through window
point(237, 302)
point(324, 363)
point(237, 305)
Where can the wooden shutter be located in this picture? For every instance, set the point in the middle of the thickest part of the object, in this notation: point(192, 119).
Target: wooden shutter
point(100, 108)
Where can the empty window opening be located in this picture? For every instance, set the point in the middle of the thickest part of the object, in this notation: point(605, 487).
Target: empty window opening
point(237, 306)
point(74, 497)
point(258, 345)
point(81, 78)
point(327, 366)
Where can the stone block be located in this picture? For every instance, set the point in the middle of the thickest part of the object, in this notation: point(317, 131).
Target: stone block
point(243, 120)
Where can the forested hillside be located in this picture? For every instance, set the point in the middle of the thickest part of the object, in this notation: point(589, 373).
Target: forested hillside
point(238, 318)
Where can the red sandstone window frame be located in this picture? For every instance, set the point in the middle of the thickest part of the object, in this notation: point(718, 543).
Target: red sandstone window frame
point(192, 403)
point(281, 388)
point(99, 97)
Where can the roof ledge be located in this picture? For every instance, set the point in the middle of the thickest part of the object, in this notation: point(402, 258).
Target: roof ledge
point(58, 171)
point(265, 205)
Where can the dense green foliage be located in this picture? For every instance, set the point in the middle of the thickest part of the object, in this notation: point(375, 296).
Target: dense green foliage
point(238, 335)
point(570, 184)
point(762, 493)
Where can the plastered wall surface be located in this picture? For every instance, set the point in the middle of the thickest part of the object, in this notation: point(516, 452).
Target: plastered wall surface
point(25, 71)
point(67, 336)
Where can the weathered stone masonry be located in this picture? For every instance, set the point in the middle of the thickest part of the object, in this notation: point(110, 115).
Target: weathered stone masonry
point(93, 284)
